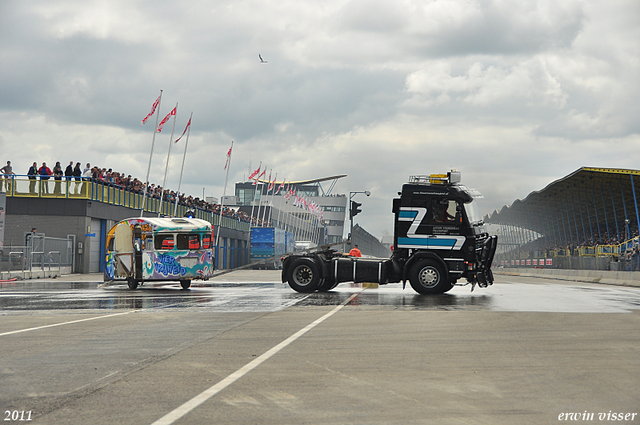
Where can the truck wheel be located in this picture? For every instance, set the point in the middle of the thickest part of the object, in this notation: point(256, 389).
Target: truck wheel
point(427, 277)
point(304, 275)
point(185, 283)
point(132, 283)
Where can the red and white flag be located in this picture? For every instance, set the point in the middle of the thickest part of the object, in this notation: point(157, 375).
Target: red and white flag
point(280, 187)
point(269, 188)
point(228, 156)
point(165, 119)
point(185, 130)
point(153, 110)
point(260, 176)
point(290, 192)
point(255, 173)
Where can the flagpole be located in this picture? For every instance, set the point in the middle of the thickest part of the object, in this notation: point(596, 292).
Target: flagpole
point(260, 202)
point(280, 206)
point(184, 155)
point(153, 141)
point(166, 167)
point(264, 211)
point(224, 192)
point(253, 203)
point(275, 179)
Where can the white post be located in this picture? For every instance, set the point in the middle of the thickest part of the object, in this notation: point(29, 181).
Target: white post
point(224, 192)
point(153, 141)
point(275, 179)
point(280, 207)
point(264, 211)
point(166, 167)
point(184, 155)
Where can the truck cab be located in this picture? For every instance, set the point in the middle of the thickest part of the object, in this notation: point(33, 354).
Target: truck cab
point(437, 224)
point(439, 239)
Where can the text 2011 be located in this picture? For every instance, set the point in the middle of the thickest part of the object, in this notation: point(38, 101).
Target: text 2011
point(17, 415)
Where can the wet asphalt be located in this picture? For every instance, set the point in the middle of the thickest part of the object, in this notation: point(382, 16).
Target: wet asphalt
point(262, 291)
point(525, 351)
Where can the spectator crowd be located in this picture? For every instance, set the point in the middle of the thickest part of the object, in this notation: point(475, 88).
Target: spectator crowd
point(109, 177)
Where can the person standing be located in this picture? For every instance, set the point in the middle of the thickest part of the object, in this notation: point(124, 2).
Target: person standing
point(7, 171)
point(77, 175)
point(86, 177)
point(45, 174)
point(355, 252)
point(68, 174)
point(57, 176)
point(32, 173)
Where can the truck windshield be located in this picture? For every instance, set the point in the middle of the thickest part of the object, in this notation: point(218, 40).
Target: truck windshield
point(473, 214)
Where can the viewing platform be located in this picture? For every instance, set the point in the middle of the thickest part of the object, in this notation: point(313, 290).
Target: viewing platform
point(21, 186)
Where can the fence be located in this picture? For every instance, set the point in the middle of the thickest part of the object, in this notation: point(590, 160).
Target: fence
point(20, 186)
point(40, 256)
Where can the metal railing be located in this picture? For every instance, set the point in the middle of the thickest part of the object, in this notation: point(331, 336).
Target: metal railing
point(40, 254)
point(22, 186)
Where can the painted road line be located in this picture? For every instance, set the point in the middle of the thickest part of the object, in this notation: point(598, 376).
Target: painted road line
point(187, 407)
point(65, 323)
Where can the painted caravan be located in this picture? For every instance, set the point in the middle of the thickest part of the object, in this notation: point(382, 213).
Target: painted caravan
point(142, 250)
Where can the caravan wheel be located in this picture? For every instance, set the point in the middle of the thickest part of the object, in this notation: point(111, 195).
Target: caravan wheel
point(132, 283)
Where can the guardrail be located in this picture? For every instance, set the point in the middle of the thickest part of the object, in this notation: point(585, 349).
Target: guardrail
point(22, 186)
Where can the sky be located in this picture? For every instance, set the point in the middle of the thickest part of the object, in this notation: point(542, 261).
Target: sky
point(513, 94)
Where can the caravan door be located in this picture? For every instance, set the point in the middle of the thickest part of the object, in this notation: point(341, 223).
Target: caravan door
point(123, 251)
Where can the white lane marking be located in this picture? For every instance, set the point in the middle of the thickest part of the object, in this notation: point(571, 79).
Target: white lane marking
point(187, 407)
point(65, 323)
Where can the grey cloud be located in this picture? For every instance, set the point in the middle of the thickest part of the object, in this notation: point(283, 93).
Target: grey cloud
point(509, 30)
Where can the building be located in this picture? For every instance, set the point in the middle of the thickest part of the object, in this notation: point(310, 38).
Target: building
point(74, 217)
point(281, 211)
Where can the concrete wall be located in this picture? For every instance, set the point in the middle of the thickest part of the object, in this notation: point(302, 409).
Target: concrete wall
point(592, 276)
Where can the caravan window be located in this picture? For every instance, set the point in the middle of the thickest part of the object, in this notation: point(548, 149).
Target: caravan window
point(164, 241)
point(206, 241)
point(110, 242)
point(189, 241)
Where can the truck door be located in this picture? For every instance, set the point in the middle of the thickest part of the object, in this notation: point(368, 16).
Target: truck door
point(412, 224)
point(444, 225)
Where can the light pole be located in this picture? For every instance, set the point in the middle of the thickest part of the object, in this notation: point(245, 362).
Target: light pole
point(354, 210)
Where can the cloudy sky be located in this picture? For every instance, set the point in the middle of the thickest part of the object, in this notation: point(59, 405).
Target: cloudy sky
point(513, 93)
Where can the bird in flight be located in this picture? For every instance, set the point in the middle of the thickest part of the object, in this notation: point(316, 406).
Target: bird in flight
point(261, 60)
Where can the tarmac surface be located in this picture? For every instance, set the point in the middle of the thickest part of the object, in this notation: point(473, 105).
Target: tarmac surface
point(244, 348)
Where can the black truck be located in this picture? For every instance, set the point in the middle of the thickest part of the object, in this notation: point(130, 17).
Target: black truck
point(439, 238)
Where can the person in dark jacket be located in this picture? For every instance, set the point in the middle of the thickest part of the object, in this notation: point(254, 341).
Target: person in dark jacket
point(33, 171)
point(57, 176)
point(77, 176)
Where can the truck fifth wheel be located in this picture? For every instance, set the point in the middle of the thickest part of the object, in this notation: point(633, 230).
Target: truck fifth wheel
point(439, 238)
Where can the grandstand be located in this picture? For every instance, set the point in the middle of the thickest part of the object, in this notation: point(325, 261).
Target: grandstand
point(586, 220)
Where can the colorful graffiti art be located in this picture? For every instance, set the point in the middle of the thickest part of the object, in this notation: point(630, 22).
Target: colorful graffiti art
point(167, 265)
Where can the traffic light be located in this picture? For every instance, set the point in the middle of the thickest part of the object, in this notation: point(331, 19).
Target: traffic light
point(354, 208)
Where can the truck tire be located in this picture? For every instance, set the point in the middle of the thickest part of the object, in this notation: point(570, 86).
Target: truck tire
point(303, 275)
point(427, 277)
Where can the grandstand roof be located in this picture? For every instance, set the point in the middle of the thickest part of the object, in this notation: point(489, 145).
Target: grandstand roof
point(580, 202)
point(322, 179)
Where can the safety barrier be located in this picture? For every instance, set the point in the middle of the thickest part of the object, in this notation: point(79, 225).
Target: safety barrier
point(21, 186)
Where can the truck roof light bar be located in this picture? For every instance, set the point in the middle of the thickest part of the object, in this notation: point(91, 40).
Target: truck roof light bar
point(452, 177)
